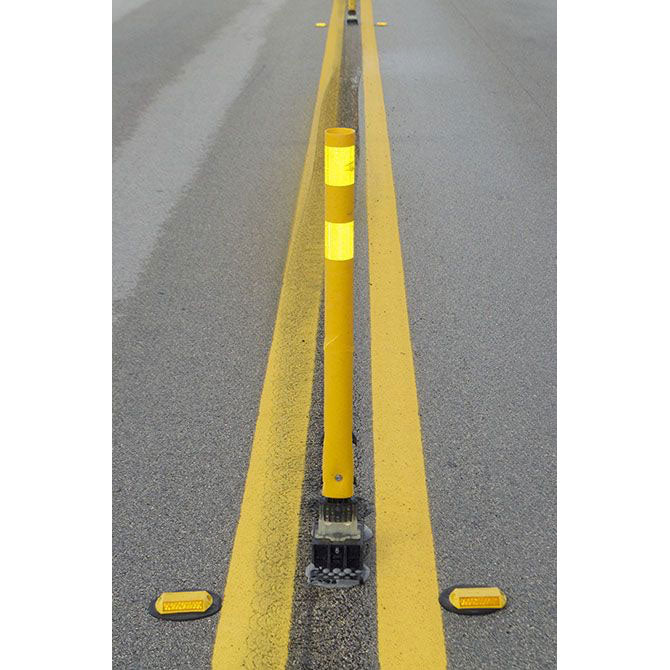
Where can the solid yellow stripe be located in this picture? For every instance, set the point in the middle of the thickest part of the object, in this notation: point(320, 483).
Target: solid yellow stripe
point(410, 633)
point(255, 619)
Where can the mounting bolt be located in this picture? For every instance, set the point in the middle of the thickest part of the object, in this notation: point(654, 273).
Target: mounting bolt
point(338, 478)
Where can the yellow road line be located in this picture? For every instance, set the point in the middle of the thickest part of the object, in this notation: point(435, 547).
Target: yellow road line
point(255, 618)
point(410, 633)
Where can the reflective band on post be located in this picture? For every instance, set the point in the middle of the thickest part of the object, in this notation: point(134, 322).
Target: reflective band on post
point(340, 165)
point(339, 239)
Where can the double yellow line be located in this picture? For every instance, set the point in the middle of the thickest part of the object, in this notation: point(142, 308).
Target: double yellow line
point(255, 619)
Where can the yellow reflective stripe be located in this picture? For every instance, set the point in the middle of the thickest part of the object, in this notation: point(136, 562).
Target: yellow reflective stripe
point(339, 239)
point(339, 164)
point(409, 621)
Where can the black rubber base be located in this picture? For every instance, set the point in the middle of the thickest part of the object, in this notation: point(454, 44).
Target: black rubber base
point(446, 603)
point(336, 578)
point(188, 616)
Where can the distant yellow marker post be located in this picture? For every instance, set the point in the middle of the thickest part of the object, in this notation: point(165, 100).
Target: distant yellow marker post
point(338, 348)
point(351, 12)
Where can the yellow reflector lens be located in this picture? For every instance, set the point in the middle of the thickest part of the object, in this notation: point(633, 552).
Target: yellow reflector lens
point(340, 165)
point(479, 602)
point(339, 238)
point(477, 598)
point(320, 24)
point(183, 601)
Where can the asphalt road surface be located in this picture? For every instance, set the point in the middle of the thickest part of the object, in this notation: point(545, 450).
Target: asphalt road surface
point(218, 220)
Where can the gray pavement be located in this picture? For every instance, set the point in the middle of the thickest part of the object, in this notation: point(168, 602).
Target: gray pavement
point(195, 312)
point(212, 108)
point(470, 99)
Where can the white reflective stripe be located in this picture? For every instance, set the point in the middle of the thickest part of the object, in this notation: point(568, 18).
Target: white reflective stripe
point(340, 165)
point(339, 238)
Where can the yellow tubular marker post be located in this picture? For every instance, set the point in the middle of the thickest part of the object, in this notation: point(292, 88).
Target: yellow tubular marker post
point(255, 618)
point(338, 347)
point(409, 619)
point(351, 12)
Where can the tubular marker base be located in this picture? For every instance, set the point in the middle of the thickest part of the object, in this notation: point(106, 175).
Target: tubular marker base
point(338, 543)
point(336, 578)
